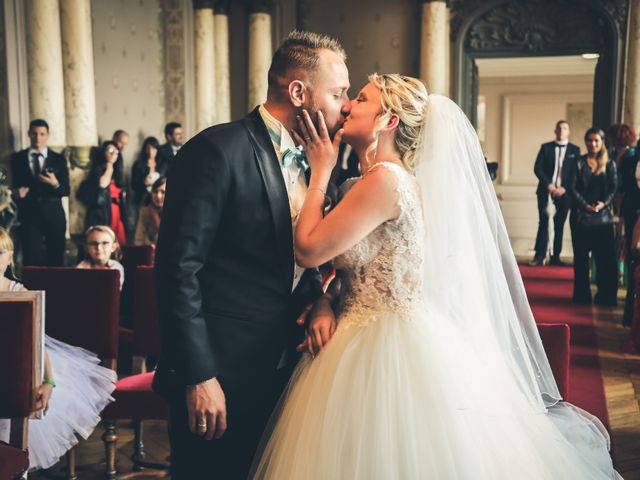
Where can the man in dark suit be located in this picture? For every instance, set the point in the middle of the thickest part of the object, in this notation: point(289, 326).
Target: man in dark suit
point(553, 167)
point(228, 288)
point(40, 178)
point(174, 136)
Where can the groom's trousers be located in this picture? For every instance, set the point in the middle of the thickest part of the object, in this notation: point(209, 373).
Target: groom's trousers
point(230, 457)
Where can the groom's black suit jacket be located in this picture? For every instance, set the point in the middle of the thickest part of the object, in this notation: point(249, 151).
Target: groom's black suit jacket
point(224, 263)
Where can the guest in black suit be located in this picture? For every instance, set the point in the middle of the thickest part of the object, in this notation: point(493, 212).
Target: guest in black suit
point(228, 287)
point(593, 185)
point(629, 207)
point(40, 178)
point(174, 136)
point(553, 166)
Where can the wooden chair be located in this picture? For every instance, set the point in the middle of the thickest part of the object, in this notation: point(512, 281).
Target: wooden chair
point(132, 257)
point(17, 392)
point(134, 398)
point(82, 309)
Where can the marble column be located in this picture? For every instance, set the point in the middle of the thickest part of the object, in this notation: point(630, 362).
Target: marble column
point(223, 79)
point(44, 67)
point(434, 46)
point(260, 51)
point(79, 98)
point(205, 64)
point(632, 86)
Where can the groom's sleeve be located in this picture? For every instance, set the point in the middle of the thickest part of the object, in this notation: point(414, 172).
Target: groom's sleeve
point(197, 186)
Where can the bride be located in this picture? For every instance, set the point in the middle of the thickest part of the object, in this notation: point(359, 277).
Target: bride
point(435, 369)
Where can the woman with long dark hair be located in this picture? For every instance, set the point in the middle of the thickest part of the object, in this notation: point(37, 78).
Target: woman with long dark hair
point(593, 185)
point(103, 192)
point(147, 168)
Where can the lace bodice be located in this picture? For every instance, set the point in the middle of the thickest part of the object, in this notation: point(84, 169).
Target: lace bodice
point(383, 272)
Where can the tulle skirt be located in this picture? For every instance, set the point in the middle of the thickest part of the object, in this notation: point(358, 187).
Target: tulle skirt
point(402, 397)
point(83, 390)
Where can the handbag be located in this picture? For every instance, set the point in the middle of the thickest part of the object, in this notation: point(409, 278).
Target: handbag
point(596, 219)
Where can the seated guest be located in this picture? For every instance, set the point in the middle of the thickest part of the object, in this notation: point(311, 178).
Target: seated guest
point(40, 178)
point(82, 388)
point(103, 250)
point(173, 135)
point(553, 167)
point(628, 203)
point(146, 169)
point(149, 219)
point(593, 184)
point(103, 193)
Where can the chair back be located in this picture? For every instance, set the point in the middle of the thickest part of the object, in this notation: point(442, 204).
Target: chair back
point(132, 257)
point(146, 326)
point(555, 339)
point(20, 335)
point(82, 307)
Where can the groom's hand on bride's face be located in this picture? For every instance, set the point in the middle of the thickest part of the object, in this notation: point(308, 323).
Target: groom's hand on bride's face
point(207, 409)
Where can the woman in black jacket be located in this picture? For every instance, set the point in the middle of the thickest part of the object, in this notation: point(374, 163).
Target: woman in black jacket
point(103, 192)
point(593, 185)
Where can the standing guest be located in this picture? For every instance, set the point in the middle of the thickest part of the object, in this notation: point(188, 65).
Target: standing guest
point(103, 192)
point(147, 169)
point(103, 250)
point(593, 185)
point(40, 180)
point(627, 203)
point(149, 219)
point(174, 136)
point(74, 390)
point(121, 139)
point(553, 167)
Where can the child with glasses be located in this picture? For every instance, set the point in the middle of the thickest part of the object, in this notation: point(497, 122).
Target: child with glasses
point(102, 250)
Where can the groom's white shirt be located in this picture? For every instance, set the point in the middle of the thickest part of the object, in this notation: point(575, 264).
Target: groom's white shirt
point(293, 178)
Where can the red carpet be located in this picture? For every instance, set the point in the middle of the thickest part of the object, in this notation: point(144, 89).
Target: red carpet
point(549, 290)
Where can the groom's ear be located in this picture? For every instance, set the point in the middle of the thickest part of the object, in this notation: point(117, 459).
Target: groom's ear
point(297, 93)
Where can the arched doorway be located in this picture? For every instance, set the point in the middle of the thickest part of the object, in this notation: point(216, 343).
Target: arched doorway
point(512, 28)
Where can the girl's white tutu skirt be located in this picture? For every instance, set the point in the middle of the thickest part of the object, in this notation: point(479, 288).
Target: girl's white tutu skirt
point(83, 389)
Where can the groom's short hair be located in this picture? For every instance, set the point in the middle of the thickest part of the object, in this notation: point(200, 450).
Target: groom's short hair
point(300, 51)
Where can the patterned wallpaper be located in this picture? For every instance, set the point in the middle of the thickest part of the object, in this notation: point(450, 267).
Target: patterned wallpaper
point(128, 61)
point(378, 35)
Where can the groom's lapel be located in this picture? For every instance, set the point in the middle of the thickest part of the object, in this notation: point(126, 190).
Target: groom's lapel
point(273, 180)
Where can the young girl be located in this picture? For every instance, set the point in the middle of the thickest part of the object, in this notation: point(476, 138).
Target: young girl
point(75, 389)
point(103, 250)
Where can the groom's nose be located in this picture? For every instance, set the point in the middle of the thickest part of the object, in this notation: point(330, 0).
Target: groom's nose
point(346, 108)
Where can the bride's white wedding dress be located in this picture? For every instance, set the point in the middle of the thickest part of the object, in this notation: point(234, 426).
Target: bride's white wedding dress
point(400, 393)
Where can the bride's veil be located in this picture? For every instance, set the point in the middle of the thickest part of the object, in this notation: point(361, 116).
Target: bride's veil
point(470, 270)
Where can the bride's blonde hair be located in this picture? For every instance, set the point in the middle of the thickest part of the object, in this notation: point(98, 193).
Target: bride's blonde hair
point(405, 97)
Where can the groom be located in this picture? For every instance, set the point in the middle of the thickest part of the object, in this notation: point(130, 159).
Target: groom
point(228, 289)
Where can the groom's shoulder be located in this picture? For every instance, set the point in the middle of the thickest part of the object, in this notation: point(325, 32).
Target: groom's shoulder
point(223, 133)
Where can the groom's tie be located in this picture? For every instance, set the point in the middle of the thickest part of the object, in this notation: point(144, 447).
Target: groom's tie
point(295, 154)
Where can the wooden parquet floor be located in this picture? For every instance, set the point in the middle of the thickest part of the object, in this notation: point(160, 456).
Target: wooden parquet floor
point(621, 375)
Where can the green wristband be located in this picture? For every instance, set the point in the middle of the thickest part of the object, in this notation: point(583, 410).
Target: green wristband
point(50, 381)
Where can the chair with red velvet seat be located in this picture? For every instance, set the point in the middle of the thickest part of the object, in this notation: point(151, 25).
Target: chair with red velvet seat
point(132, 257)
point(146, 328)
point(134, 398)
point(555, 339)
point(82, 309)
point(17, 394)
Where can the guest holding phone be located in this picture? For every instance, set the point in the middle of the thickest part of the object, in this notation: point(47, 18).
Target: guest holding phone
point(40, 178)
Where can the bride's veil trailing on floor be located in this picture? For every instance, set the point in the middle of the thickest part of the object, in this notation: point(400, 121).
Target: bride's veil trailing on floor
point(470, 271)
point(472, 278)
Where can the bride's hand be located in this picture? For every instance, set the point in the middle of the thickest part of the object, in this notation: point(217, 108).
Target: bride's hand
point(322, 152)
